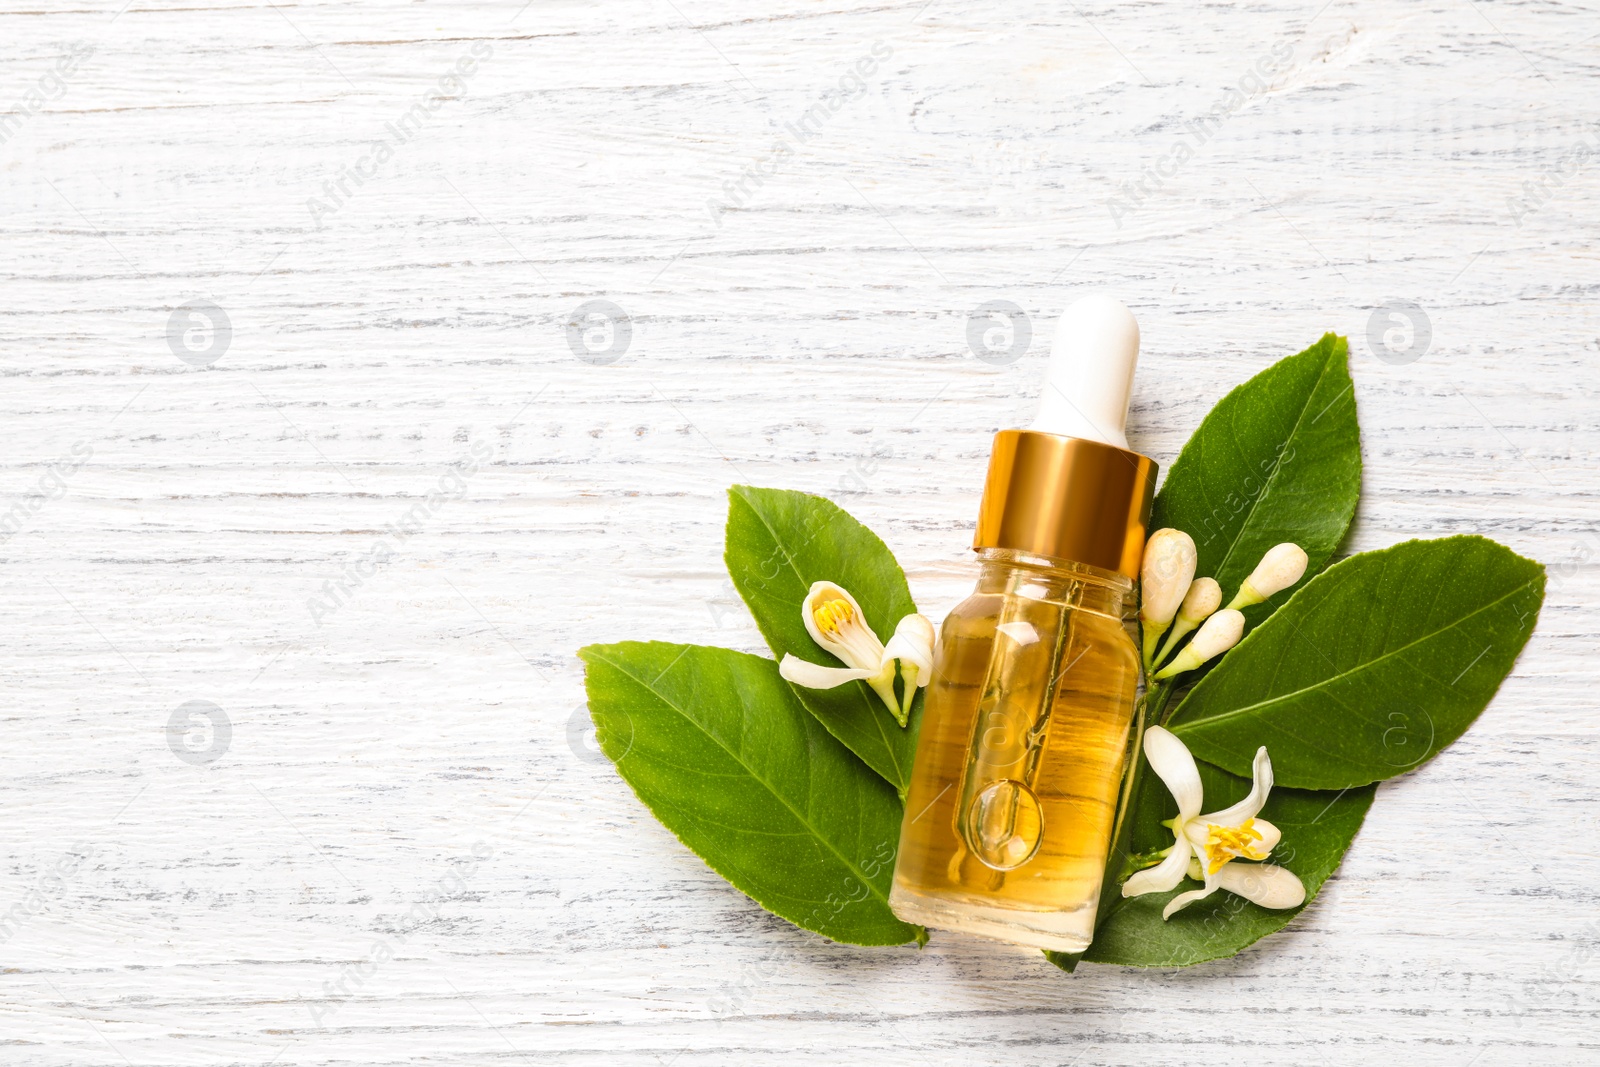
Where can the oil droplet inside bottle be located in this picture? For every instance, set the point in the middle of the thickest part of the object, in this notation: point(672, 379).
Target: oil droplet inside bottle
point(1005, 825)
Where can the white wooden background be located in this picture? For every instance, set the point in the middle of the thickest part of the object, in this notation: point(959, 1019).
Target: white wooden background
point(400, 847)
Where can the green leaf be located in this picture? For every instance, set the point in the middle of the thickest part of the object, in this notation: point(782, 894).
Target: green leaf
point(1278, 459)
point(1317, 829)
point(1372, 668)
point(718, 749)
point(778, 543)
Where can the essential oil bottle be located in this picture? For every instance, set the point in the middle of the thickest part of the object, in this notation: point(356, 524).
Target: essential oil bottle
point(1025, 729)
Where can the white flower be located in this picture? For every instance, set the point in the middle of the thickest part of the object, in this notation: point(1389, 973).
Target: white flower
point(1203, 598)
point(1220, 633)
point(1281, 567)
point(834, 620)
point(1164, 577)
point(1205, 846)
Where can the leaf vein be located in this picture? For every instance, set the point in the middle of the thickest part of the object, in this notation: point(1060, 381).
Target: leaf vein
point(801, 818)
point(1322, 682)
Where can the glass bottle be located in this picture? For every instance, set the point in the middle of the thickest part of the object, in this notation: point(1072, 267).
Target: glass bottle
point(1027, 719)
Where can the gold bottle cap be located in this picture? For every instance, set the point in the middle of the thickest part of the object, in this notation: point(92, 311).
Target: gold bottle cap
point(1067, 497)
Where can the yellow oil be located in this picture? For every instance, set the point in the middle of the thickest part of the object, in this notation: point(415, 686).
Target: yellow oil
point(1023, 748)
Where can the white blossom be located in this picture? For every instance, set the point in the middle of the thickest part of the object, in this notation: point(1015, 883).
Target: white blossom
point(835, 621)
point(1205, 847)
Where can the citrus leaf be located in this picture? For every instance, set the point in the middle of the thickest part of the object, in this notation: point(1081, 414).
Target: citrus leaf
point(716, 746)
point(1278, 459)
point(1370, 669)
point(778, 543)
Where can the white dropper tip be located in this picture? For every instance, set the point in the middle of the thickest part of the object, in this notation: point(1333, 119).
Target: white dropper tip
point(1090, 377)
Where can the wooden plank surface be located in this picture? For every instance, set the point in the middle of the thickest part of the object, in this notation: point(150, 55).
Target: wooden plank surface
point(368, 522)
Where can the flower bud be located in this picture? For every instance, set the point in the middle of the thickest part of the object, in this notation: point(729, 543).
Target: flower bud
point(1203, 598)
point(1281, 567)
point(1168, 568)
point(1164, 577)
point(1220, 633)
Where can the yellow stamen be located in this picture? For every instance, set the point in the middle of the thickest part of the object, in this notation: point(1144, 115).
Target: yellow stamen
point(1223, 843)
point(832, 614)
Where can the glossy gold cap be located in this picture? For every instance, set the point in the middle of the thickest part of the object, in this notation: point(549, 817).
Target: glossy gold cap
point(1066, 497)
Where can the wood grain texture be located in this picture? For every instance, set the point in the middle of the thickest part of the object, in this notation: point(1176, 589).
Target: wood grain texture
point(408, 852)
